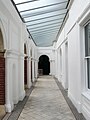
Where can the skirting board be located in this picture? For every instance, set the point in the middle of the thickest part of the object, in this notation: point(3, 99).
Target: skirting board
point(76, 104)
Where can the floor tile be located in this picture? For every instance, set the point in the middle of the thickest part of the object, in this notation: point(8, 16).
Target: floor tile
point(46, 102)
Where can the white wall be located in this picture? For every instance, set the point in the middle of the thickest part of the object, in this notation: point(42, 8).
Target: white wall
point(15, 35)
point(72, 33)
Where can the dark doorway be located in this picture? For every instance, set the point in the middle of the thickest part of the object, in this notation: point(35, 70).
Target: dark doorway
point(2, 71)
point(44, 65)
point(25, 66)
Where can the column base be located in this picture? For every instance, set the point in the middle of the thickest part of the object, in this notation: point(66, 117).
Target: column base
point(9, 107)
point(50, 74)
point(29, 85)
point(22, 96)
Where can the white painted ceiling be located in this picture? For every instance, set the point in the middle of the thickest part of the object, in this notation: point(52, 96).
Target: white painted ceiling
point(43, 18)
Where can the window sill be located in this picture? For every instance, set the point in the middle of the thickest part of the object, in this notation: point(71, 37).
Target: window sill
point(86, 95)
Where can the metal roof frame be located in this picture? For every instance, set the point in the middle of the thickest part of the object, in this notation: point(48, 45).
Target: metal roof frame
point(55, 33)
point(45, 25)
point(26, 2)
point(44, 20)
point(45, 29)
point(43, 12)
point(43, 6)
point(45, 17)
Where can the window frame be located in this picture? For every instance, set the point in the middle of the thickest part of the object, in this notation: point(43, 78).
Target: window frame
point(86, 57)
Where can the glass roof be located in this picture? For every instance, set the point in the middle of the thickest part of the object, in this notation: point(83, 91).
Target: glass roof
point(43, 18)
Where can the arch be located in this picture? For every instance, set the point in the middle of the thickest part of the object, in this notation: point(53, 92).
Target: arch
point(1, 41)
point(3, 34)
point(46, 54)
point(44, 65)
point(1, 44)
point(2, 70)
point(2, 67)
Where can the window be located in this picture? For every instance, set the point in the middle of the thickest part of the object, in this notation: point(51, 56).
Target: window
point(87, 51)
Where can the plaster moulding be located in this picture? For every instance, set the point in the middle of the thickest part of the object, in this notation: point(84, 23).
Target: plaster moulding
point(84, 14)
point(13, 52)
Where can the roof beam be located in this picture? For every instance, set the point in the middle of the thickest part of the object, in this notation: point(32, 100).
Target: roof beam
point(54, 26)
point(26, 2)
point(45, 17)
point(44, 44)
point(43, 12)
point(31, 37)
point(46, 34)
point(53, 34)
point(46, 22)
point(44, 31)
point(43, 7)
point(47, 25)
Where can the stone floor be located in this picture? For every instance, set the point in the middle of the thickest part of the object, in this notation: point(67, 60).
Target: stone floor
point(46, 102)
point(2, 111)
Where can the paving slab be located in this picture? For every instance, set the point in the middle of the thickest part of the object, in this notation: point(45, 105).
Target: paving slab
point(2, 111)
point(46, 102)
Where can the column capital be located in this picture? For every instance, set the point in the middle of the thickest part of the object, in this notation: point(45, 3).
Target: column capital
point(51, 60)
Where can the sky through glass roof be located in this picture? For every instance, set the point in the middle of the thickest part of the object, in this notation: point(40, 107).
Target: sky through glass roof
point(43, 18)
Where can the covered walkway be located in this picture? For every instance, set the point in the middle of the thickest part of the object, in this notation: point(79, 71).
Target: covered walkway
point(44, 37)
point(46, 102)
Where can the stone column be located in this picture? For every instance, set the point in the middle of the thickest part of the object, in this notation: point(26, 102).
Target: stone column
point(8, 84)
point(58, 63)
point(21, 78)
point(36, 68)
point(50, 67)
point(33, 75)
point(29, 73)
point(53, 67)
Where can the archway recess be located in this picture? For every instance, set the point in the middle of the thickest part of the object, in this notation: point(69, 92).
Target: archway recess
point(44, 65)
point(25, 66)
point(2, 70)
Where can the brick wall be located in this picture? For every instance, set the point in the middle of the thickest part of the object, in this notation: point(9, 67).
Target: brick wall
point(2, 81)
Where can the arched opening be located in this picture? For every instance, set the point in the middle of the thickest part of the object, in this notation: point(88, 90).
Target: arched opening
point(44, 65)
point(25, 66)
point(2, 76)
